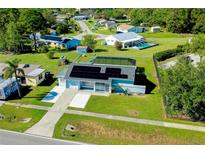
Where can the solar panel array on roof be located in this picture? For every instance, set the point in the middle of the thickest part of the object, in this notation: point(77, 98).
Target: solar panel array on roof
point(113, 70)
point(52, 38)
point(94, 73)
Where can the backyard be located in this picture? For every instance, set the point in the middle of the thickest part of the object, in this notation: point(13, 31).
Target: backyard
point(101, 131)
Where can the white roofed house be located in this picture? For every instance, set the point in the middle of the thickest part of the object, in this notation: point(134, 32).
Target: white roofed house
point(128, 40)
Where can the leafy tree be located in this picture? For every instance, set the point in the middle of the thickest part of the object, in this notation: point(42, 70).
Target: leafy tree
point(48, 15)
point(197, 45)
point(89, 40)
point(50, 54)
point(199, 27)
point(183, 87)
point(13, 69)
point(32, 21)
point(179, 21)
point(13, 37)
point(118, 45)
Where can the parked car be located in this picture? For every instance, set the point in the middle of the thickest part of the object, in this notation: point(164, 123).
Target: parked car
point(94, 28)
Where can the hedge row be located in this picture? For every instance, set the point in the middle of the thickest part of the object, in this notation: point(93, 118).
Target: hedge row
point(163, 55)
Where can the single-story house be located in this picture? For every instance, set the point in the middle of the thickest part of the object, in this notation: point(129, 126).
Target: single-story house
point(61, 17)
point(124, 28)
point(102, 22)
point(7, 87)
point(52, 32)
point(129, 39)
point(60, 42)
point(110, 24)
point(33, 74)
point(82, 49)
point(102, 77)
point(155, 29)
point(140, 29)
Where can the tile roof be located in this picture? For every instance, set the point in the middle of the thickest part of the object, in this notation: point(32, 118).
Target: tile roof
point(125, 27)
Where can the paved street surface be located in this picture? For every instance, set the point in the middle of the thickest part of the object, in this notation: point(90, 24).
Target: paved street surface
point(46, 126)
point(86, 30)
point(14, 138)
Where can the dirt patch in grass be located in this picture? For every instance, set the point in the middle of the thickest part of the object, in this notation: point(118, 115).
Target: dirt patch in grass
point(97, 130)
point(133, 113)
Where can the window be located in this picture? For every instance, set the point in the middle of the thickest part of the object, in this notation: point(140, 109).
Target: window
point(40, 76)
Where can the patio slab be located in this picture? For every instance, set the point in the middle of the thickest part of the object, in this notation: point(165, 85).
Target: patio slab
point(80, 100)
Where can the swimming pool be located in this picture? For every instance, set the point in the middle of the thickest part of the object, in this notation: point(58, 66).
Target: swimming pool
point(144, 45)
point(54, 94)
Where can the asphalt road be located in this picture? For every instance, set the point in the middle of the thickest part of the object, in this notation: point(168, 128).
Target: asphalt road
point(14, 138)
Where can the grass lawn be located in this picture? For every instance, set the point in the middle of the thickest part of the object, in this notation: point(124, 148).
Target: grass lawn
point(147, 106)
point(103, 131)
point(164, 35)
point(20, 113)
point(72, 34)
point(37, 93)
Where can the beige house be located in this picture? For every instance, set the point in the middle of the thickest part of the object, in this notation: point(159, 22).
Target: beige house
point(124, 28)
point(33, 74)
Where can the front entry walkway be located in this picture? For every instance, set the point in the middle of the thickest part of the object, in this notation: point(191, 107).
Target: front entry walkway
point(46, 126)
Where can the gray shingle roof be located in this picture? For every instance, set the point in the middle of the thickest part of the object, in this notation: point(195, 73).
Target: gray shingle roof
point(127, 36)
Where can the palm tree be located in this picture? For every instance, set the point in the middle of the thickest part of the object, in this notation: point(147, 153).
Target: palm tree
point(13, 69)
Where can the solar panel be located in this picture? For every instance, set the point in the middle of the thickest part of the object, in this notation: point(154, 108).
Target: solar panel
point(113, 70)
point(94, 73)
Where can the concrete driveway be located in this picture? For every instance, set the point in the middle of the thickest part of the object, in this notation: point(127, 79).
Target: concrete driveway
point(46, 126)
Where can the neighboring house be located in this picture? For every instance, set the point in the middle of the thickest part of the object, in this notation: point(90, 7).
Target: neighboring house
point(82, 49)
point(195, 59)
point(81, 17)
point(102, 77)
point(60, 42)
point(61, 18)
point(124, 28)
point(33, 74)
point(110, 24)
point(155, 29)
point(7, 87)
point(52, 32)
point(129, 39)
point(102, 22)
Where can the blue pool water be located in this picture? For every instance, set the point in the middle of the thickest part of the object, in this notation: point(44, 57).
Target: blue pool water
point(144, 45)
point(50, 96)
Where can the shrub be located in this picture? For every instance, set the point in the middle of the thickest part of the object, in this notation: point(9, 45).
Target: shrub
point(163, 55)
point(43, 49)
point(118, 45)
point(50, 54)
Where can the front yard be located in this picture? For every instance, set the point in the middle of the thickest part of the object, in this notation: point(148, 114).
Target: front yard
point(102, 131)
point(16, 118)
point(33, 95)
